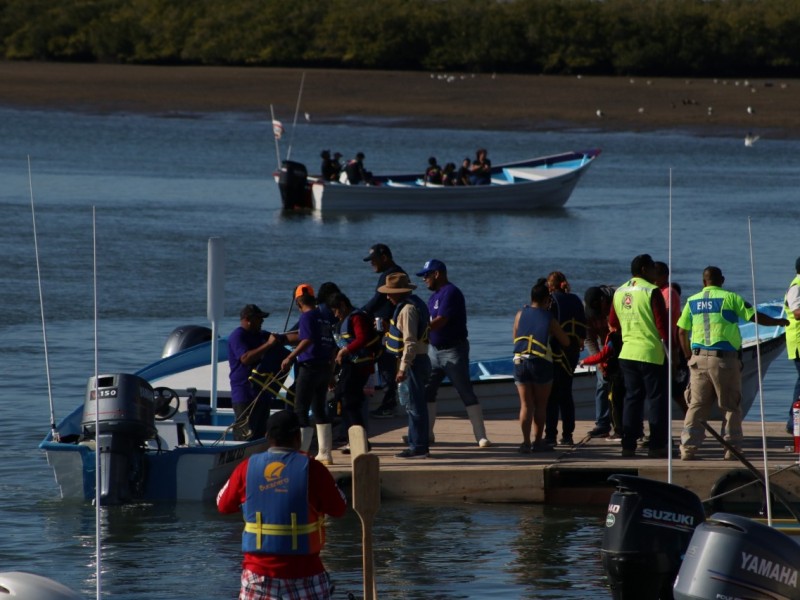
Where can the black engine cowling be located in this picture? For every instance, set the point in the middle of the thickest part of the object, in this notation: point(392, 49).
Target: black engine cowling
point(648, 528)
point(119, 414)
point(730, 556)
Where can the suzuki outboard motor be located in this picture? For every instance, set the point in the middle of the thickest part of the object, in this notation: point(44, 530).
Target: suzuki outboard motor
point(184, 337)
point(293, 184)
point(731, 556)
point(648, 528)
point(126, 420)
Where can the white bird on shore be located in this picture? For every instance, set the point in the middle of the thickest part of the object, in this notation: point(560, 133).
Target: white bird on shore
point(599, 113)
point(751, 110)
point(750, 139)
point(308, 116)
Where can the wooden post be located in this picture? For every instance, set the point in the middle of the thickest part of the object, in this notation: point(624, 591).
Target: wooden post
point(366, 502)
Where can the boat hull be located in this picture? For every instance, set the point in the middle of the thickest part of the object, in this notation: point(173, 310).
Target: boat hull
point(535, 184)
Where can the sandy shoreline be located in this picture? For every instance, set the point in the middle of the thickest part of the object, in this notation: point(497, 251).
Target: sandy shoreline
point(504, 102)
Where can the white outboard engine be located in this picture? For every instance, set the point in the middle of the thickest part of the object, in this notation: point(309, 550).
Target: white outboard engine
point(28, 586)
point(731, 556)
point(126, 420)
point(648, 528)
point(184, 337)
point(293, 185)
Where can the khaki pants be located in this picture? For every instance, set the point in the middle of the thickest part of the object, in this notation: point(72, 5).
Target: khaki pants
point(713, 380)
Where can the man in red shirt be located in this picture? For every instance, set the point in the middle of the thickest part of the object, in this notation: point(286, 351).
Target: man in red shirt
point(284, 495)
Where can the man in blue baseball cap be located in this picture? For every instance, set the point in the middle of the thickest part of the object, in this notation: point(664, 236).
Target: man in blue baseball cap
point(449, 347)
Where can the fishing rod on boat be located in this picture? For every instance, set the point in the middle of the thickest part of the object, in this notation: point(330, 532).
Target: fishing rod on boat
point(760, 381)
point(296, 112)
point(54, 431)
point(670, 309)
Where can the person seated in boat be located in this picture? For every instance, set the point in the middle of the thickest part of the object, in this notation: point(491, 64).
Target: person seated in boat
point(330, 168)
point(449, 174)
point(356, 173)
point(433, 174)
point(247, 345)
point(481, 169)
point(275, 490)
point(463, 175)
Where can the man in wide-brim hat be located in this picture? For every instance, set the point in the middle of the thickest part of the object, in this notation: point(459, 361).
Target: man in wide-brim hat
point(407, 339)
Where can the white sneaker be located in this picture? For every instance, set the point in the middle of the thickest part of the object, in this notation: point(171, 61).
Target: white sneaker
point(484, 443)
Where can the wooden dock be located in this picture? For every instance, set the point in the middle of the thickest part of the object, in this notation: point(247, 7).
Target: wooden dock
point(458, 470)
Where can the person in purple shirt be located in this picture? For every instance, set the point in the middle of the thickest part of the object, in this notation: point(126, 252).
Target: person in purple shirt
point(314, 354)
point(247, 345)
point(449, 347)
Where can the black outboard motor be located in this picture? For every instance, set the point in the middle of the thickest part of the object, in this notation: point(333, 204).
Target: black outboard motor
point(648, 528)
point(184, 337)
point(731, 556)
point(126, 420)
point(293, 184)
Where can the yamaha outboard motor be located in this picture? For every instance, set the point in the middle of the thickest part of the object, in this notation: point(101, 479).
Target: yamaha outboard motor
point(731, 556)
point(126, 420)
point(184, 337)
point(648, 528)
point(293, 184)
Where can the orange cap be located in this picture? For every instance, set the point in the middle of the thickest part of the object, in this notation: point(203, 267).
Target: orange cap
point(304, 289)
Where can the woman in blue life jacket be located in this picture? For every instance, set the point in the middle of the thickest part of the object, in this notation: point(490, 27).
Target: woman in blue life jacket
point(534, 325)
point(359, 347)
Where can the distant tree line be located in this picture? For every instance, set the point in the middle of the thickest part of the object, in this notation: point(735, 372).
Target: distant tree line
point(625, 37)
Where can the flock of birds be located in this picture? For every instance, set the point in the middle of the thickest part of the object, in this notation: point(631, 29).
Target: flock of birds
point(749, 139)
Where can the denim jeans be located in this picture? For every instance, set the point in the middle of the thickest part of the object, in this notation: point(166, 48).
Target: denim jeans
point(602, 408)
point(644, 382)
point(417, 377)
point(452, 363)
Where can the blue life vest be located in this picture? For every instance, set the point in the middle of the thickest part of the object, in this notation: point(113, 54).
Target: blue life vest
point(393, 340)
point(368, 353)
point(533, 334)
point(277, 516)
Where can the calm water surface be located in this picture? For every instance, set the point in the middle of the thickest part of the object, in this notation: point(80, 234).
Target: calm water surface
point(162, 186)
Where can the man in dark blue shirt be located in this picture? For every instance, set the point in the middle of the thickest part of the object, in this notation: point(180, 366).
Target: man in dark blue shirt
point(449, 347)
point(247, 345)
point(379, 307)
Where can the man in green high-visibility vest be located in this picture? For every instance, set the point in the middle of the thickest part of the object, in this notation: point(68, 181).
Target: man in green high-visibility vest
point(639, 312)
point(708, 330)
point(791, 306)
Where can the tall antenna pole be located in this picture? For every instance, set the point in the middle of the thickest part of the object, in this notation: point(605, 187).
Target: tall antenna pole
point(760, 382)
point(53, 429)
point(296, 112)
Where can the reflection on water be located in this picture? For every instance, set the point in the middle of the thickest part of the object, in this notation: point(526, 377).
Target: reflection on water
point(474, 551)
point(422, 551)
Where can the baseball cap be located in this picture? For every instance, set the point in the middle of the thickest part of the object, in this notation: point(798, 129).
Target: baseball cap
point(282, 424)
point(304, 289)
point(430, 266)
point(378, 250)
point(251, 310)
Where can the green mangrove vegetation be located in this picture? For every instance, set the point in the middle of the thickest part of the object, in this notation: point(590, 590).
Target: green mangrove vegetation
point(612, 37)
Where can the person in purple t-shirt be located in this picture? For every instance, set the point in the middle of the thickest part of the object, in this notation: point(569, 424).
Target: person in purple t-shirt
point(247, 345)
point(449, 347)
point(314, 353)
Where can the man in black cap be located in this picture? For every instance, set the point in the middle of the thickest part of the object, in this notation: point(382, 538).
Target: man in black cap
point(380, 257)
point(284, 495)
point(247, 345)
